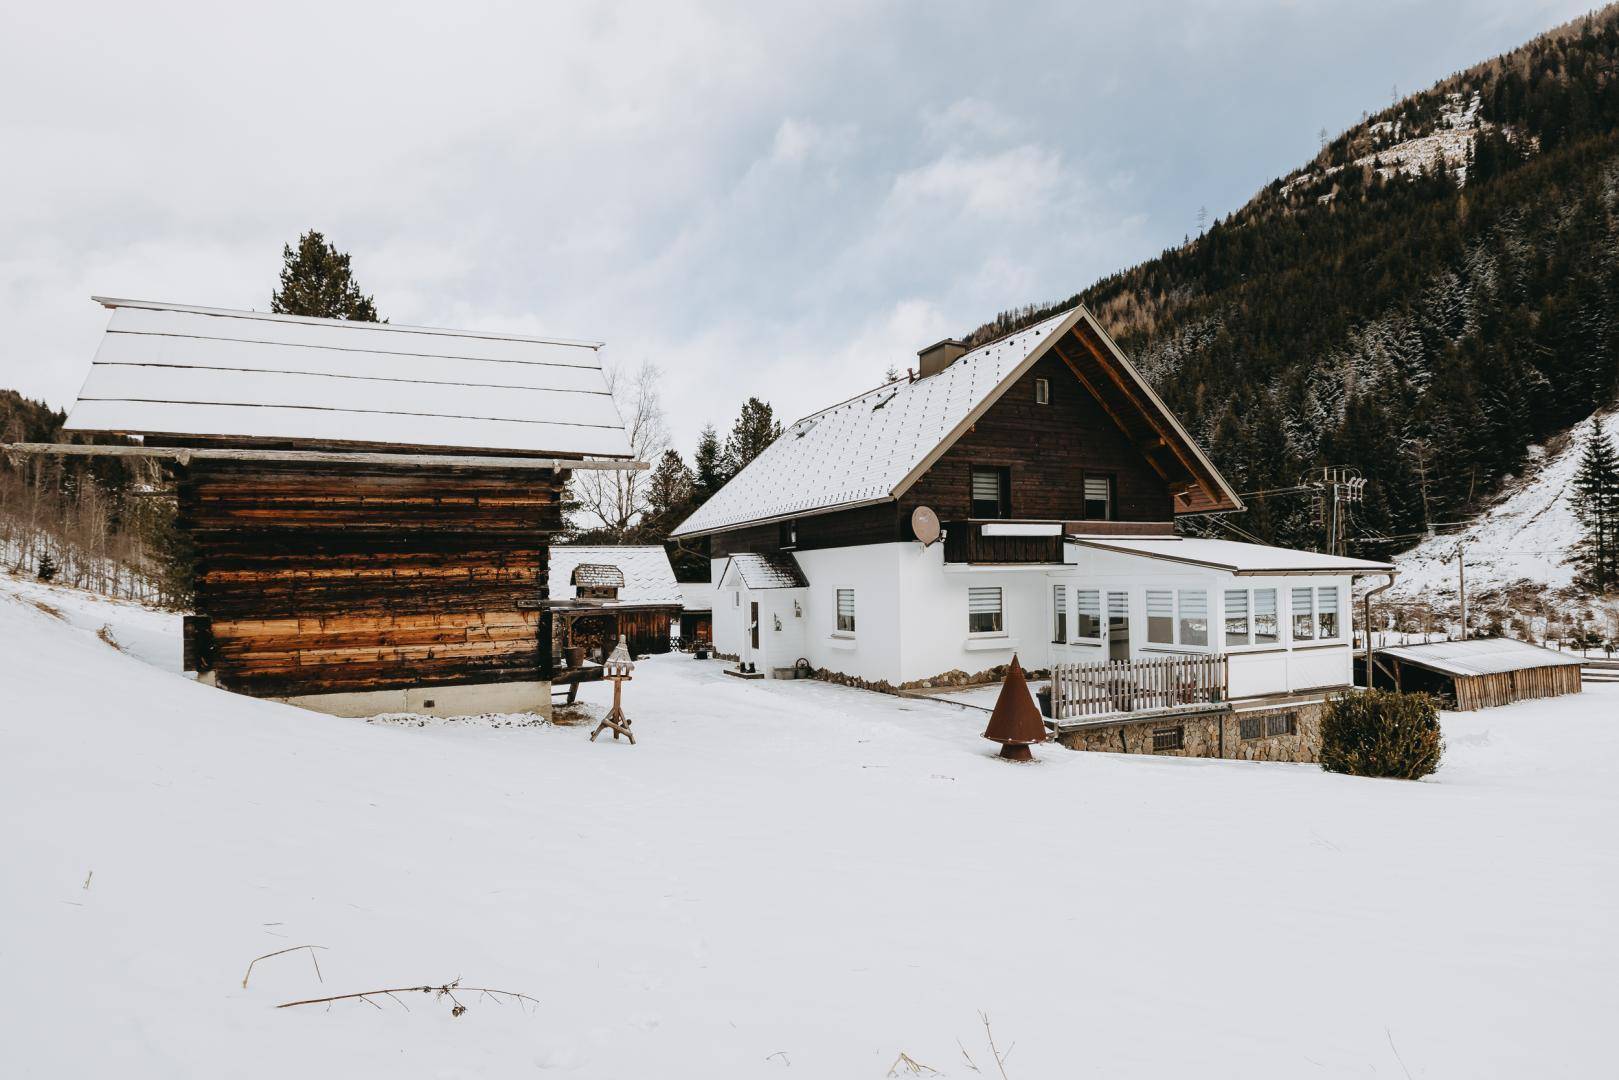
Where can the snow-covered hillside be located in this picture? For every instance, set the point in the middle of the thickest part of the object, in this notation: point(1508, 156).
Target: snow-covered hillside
point(1526, 538)
point(781, 879)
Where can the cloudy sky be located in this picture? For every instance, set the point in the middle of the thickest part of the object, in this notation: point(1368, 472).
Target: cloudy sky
point(772, 199)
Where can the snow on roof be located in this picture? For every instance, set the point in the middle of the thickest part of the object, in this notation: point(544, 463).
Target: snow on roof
point(598, 576)
point(1483, 656)
point(774, 571)
point(648, 577)
point(1232, 556)
point(165, 369)
point(861, 450)
point(697, 595)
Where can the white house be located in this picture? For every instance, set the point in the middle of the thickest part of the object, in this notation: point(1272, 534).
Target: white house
point(1019, 498)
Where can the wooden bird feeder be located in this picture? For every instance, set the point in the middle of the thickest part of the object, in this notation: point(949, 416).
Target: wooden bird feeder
point(618, 669)
point(1016, 722)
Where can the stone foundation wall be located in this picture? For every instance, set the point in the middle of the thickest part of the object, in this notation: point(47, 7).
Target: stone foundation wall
point(1216, 735)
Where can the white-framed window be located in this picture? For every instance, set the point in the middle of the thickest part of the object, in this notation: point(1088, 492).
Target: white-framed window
point(1326, 612)
point(1178, 617)
point(736, 598)
point(1303, 607)
point(845, 611)
point(984, 609)
point(1059, 614)
point(1042, 391)
point(1098, 498)
point(1250, 617)
point(1088, 614)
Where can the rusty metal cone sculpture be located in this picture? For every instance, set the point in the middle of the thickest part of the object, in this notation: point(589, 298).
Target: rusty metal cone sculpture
point(1016, 722)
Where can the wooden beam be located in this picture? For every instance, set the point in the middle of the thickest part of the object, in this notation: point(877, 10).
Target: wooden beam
point(185, 455)
point(1107, 408)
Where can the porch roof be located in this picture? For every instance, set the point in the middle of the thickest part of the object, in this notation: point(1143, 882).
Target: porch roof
point(774, 571)
point(1232, 556)
point(1481, 656)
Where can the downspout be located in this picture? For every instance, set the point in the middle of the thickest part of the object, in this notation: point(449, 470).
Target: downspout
point(1366, 620)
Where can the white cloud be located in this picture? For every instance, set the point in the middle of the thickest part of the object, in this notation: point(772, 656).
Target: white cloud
point(1015, 183)
point(969, 118)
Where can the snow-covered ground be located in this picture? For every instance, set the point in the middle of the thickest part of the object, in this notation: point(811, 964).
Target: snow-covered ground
point(782, 879)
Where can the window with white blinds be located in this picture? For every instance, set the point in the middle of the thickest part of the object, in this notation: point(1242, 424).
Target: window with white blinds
point(1161, 616)
point(991, 492)
point(1303, 614)
point(1194, 622)
point(845, 611)
point(1326, 612)
point(1098, 498)
point(1059, 613)
point(1236, 617)
point(1088, 614)
point(1266, 632)
point(984, 610)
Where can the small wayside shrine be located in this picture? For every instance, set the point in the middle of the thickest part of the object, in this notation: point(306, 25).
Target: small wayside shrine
point(370, 506)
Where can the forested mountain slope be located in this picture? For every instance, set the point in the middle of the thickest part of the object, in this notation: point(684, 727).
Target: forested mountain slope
point(1432, 294)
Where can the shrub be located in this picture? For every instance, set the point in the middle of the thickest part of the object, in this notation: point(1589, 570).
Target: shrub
point(47, 567)
point(1381, 733)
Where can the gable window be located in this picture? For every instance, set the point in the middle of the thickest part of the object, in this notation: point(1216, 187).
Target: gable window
point(1303, 614)
point(1326, 612)
point(1088, 614)
point(984, 610)
point(845, 611)
point(1059, 614)
point(992, 492)
point(1236, 617)
point(1042, 391)
point(1160, 617)
point(789, 534)
point(1098, 498)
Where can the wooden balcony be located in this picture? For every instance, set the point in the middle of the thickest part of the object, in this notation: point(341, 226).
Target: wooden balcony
point(1084, 693)
point(1009, 540)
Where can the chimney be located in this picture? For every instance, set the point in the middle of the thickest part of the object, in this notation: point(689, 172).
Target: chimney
point(940, 355)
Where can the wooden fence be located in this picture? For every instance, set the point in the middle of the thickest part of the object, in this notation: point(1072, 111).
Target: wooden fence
point(1083, 691)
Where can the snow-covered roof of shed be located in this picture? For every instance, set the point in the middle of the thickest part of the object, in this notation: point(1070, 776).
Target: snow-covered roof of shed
point(1232, 556)
point(862, 450)
point(1483, 656)
point(697, 595)
point(764, 571)
point(648, 576)
point(172, 370)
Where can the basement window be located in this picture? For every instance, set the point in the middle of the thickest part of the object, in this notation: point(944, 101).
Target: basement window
point(1251, 727)
point(1169, 738)
point(1042, 391)
point(984, 610)
point(1286, 723)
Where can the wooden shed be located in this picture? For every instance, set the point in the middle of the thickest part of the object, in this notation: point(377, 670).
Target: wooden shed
point(1478, 674)
point(599, 592)
point(370, 505)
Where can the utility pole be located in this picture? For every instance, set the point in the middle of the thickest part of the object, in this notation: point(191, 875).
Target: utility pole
point(1336, 488)
point(1461, 582)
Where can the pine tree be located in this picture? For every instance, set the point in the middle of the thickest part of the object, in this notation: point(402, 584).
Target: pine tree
point(668, 495)
point(1596, 503)
point(710, 461)
point(755, 429)
point(316, 281)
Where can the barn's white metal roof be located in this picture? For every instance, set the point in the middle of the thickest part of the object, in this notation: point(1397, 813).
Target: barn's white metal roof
point(165, 369)
point(860, 451)
point(1482, 656)
point(1232, 555)
point(648, 576)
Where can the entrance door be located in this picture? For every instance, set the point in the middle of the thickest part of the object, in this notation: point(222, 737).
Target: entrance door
point(1118, 626)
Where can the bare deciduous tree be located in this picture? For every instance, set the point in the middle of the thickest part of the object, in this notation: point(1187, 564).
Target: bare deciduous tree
point(614, 501)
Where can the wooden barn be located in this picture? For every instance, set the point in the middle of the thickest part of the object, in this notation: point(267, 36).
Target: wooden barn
point(370, 505)
point(599, 592)
point(1478, 674)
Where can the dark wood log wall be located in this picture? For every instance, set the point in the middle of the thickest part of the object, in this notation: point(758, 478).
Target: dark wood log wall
point(337, 578)
point(1049, 449)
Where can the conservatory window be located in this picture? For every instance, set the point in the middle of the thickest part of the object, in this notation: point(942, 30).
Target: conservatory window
point(1303, 614)
point(1326, 612)
point(1059, 613)
point(1088, 614)
point(984, 610)
point(1265, 628)
point(1160, 616)
point(845, 611)
point(1194, 624)
point(1098, 498)
point(1236, 617)
point(992, 492)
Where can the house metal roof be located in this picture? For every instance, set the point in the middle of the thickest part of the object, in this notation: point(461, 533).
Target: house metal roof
point(1232, 556)
point(645, 572)
point(1482, 656)
point(773, 571)
point(870, 448)
point(175, 370)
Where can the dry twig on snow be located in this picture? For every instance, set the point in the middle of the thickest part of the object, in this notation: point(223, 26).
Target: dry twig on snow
point(914, 1067)
point(448, 990)
point(278, 952)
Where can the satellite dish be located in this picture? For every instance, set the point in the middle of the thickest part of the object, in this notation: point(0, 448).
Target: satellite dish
point(925, 525)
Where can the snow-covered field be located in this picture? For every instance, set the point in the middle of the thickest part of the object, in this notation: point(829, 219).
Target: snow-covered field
point(782, 879)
